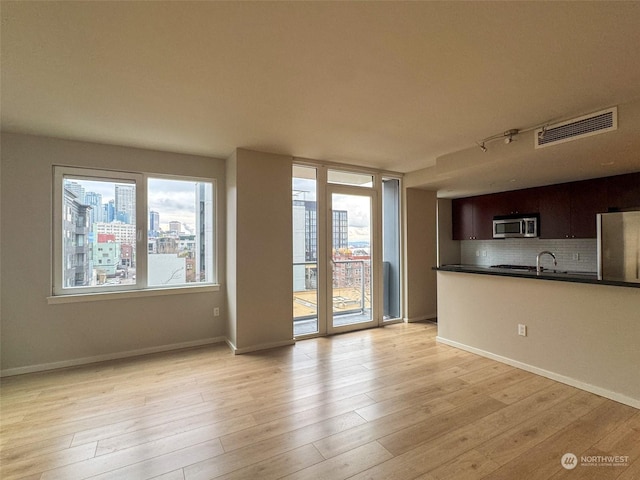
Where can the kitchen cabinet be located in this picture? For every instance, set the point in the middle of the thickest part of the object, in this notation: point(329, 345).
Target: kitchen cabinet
point(473, 217)
point(555, 212)
point(517, 202)
point(463, 226)
point(623, 191)
point(569, 210)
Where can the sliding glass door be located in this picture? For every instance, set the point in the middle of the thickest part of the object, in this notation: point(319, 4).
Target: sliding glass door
point(346, 250)
point(351, 299)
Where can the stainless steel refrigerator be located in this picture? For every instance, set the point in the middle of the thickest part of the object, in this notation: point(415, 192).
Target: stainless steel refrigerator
point(619, 246)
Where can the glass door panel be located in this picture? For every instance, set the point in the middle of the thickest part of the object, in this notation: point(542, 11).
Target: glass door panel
point(351, 250)
point(305, 251)
point(391, 254)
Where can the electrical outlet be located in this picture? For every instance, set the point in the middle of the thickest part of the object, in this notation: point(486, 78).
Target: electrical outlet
point(484, 253)
point(522, 330)
point(477, 253)
point(216, 312)
point(576, 256)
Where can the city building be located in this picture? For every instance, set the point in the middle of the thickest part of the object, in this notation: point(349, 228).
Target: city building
point(109, 211)
point(77, 189)
point(77, 269)
point(106, 258)
point(204, 234)
point(187, 245)
point(166, 245)
point(175, 227)
point(125, 203)
point(305, 245)
point(122, 232)
point(154, 223)
point(127, 255)
point(122, 217)
point(94, 200)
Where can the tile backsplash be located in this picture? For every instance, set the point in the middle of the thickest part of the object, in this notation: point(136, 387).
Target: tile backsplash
point(578, 255)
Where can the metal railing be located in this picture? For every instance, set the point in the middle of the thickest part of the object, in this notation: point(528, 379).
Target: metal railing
point(351, 285)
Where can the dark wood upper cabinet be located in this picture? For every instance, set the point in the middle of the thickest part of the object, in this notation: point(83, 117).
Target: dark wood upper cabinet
point(518, 202)
point(462, 210)
point(473, 217)
point(485, 209)
point(567, 210)
point(623, 191)
point(555, 212)
point(588, 198)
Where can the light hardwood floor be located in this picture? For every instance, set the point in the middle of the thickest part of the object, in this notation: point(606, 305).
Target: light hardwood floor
point(387, 403)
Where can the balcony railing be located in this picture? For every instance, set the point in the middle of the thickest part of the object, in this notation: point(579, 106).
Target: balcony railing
point(351, 282)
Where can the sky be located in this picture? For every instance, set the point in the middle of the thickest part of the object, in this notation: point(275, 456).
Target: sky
point(174, 200)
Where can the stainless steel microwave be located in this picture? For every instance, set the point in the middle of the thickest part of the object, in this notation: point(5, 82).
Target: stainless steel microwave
point(515, 227)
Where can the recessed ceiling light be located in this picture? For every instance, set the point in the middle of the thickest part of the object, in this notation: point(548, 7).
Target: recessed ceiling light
point(607, 164)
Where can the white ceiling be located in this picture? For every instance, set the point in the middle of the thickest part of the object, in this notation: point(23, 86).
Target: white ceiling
point(391, 85)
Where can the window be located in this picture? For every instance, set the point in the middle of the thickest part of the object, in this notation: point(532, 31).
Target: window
point(116, 231)
point(350, 178)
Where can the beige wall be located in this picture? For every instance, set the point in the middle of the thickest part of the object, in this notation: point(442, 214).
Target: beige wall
point(581, 334)
point(420, 253)
point(259, 253)
point(37, 333)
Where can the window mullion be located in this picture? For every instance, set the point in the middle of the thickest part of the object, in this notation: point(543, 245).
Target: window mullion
point(142, 239)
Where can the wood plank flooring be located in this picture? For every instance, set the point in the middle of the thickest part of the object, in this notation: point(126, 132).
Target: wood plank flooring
point(387, 403)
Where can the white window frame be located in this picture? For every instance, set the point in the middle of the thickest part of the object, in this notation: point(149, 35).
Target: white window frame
point(60, 294)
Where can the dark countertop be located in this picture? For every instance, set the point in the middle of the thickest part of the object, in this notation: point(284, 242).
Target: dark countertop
point(554, 275)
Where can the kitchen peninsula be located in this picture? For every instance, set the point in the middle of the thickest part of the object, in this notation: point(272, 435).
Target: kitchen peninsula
point(570, 327)
point(530, 273)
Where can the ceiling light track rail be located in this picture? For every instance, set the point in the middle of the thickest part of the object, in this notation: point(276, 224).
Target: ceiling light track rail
point(561, 131)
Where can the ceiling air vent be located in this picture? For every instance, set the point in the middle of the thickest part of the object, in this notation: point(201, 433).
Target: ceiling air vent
point(585, 126)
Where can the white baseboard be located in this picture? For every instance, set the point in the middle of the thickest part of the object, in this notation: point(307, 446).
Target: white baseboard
point(109, 356)
point(262, 346)
point(618, 397)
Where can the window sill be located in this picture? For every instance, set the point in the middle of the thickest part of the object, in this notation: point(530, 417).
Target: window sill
point(152, 292)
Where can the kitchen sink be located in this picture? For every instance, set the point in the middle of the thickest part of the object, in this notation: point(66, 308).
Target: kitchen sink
point(527, 268)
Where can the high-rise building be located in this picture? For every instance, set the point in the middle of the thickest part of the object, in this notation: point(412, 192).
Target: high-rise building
point(123, 217)
point(204, 233)
point(76, 189)
point(126, 202)
point(108, 212)
point(305, 241)
point(154, 223)
point(340, 230)
point(94, 200)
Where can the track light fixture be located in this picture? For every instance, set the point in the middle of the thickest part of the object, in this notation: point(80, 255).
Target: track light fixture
point(507, 136)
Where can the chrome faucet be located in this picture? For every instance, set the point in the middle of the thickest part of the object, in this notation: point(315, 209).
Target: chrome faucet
point(538, 267)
